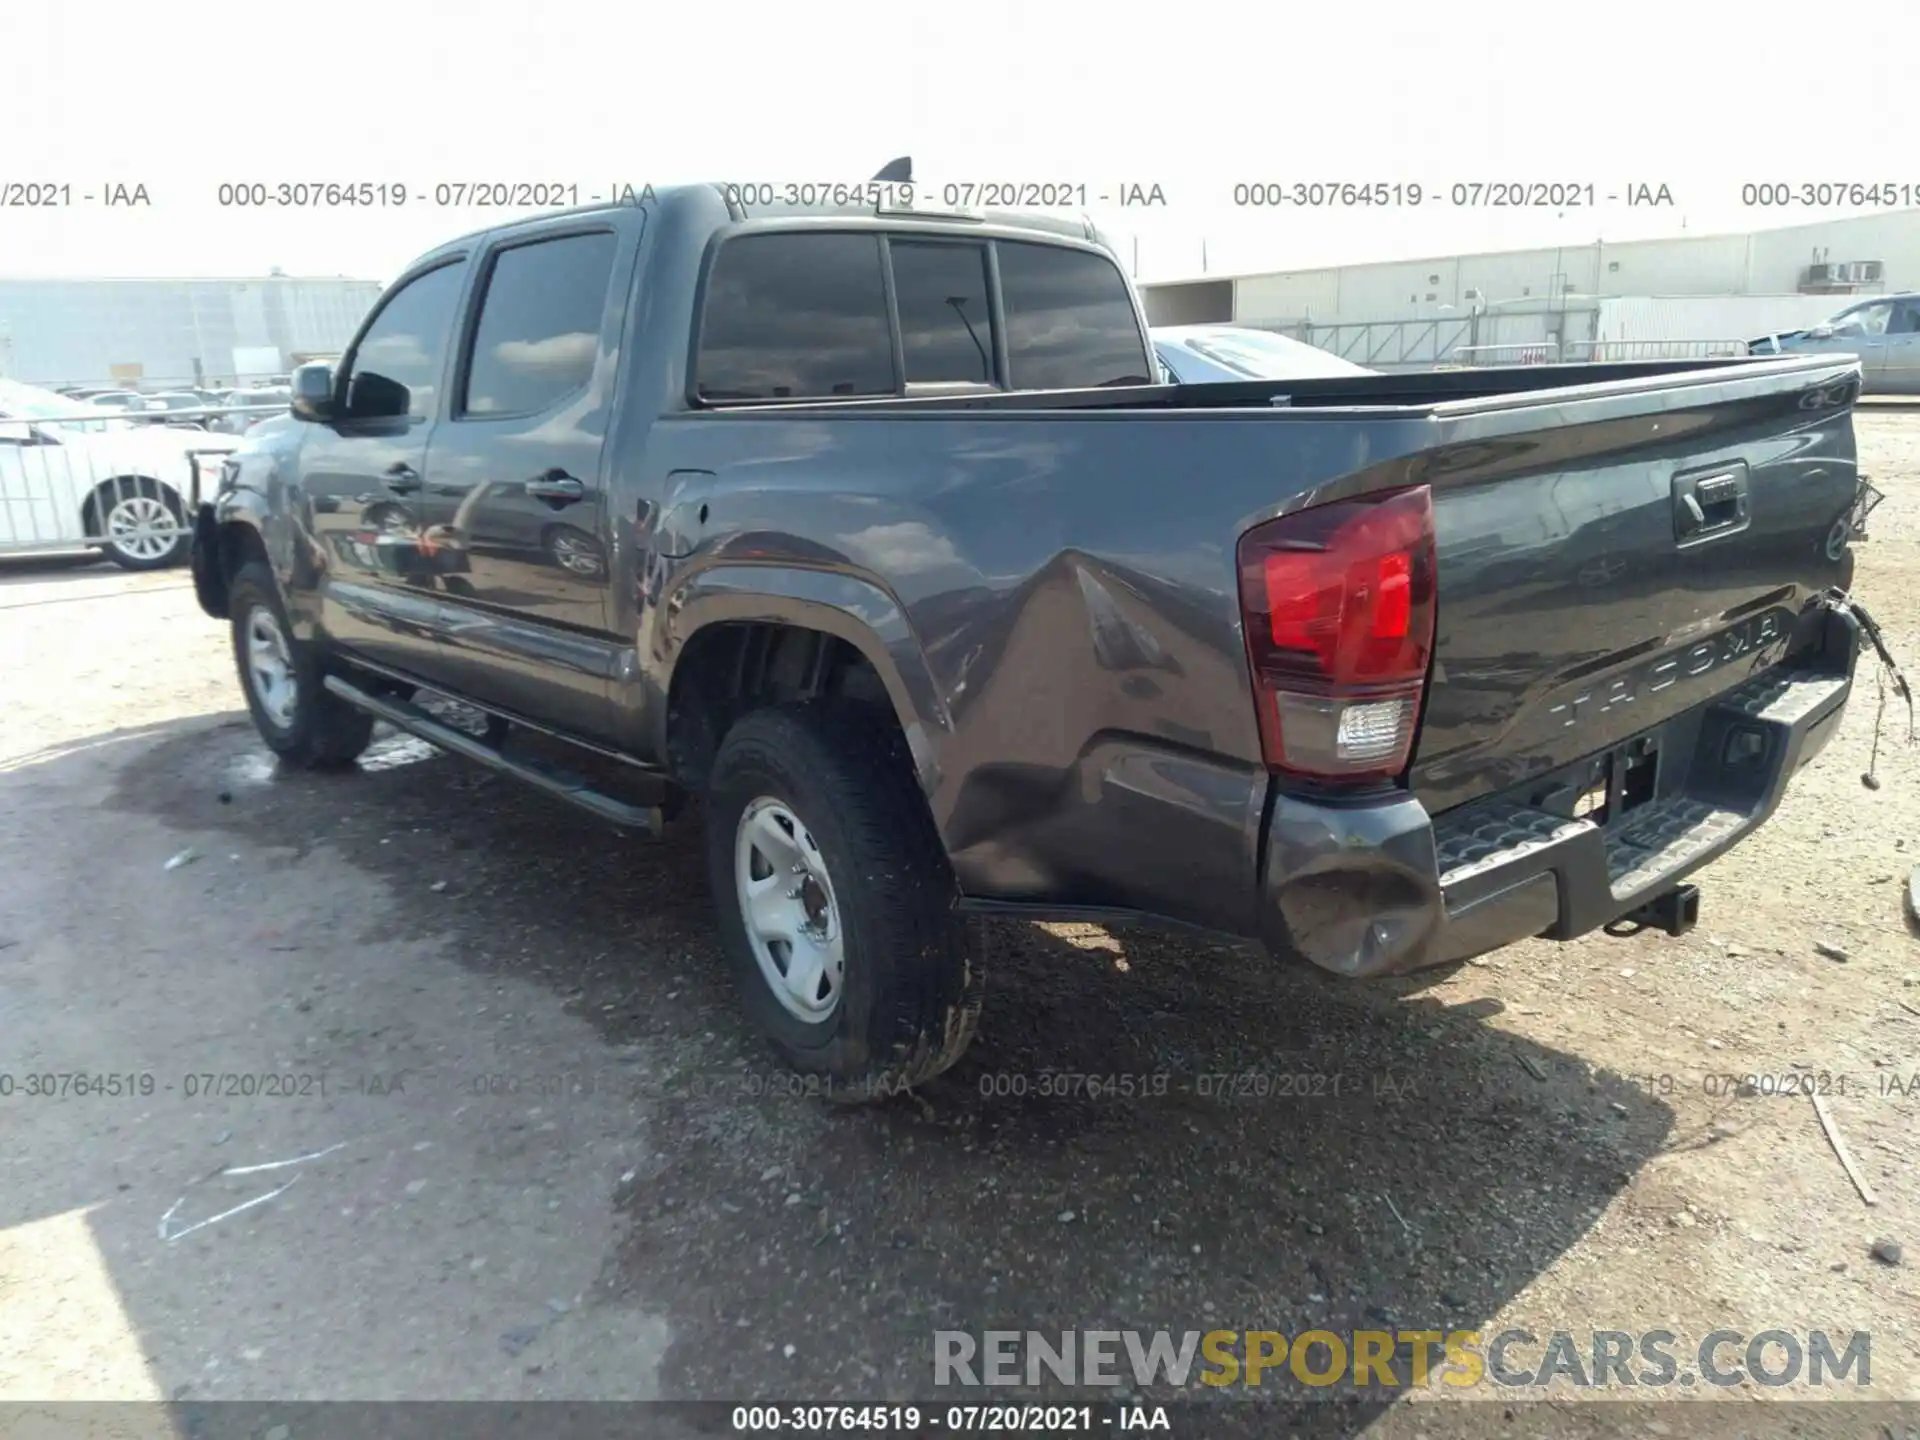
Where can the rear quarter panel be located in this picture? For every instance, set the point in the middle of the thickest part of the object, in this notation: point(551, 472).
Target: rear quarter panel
point(1069, 579)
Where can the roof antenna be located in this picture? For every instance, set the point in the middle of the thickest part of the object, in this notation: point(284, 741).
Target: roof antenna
point(896, 172)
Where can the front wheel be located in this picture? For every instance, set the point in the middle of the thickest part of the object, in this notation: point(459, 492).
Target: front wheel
point(303, 722)
point(836, 901)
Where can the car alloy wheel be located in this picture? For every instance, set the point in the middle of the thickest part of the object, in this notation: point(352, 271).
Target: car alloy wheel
point(142, 527)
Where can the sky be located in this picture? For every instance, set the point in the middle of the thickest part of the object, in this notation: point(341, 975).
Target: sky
point(1193, 98)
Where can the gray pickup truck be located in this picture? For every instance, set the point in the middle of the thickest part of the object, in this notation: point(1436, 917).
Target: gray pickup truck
point(870, 529)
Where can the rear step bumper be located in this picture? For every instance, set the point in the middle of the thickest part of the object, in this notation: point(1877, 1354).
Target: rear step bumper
point(1383, 889)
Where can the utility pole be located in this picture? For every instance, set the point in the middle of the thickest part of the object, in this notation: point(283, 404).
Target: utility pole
point(199, 341)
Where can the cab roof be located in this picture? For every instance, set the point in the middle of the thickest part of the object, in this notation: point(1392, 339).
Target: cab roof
point(704, 194)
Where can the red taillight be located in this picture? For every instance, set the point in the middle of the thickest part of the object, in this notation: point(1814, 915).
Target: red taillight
point(1338, 605)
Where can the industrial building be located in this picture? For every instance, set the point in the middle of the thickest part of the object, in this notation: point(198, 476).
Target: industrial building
point(1622, 300)
point(157, 334)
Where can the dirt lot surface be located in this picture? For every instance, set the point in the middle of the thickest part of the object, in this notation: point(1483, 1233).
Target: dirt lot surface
point(538, 1156)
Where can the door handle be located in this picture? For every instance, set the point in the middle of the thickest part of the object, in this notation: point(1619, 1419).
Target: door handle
point(557, 488)
point(402, 478)
point(1707, 505)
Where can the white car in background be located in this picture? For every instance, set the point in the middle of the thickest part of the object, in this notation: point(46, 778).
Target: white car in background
point(1209, 354)
point(71, 482)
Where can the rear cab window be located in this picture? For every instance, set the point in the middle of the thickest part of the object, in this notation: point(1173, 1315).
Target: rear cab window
point(821, 314)
point(796, 316)
point(946, 324)
point(1070, 323)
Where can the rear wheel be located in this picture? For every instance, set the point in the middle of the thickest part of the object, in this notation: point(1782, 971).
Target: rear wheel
point(142, 522)
point(302, 722)
point(836, 901)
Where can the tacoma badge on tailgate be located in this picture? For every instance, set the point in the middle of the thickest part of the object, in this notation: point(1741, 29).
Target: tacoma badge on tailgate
point(1751, 637)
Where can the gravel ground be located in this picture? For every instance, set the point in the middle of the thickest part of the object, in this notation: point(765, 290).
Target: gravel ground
point(549, 1163)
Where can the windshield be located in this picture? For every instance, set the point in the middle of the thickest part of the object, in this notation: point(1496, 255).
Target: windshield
point(1867, 320)
point(1270, 357)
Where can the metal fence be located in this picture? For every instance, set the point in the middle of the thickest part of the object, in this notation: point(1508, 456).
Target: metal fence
point(129, 487)
point(1547, 333)
point(1549, 352)
point(1532, 353)
point(1380, 345)
point(154, 384)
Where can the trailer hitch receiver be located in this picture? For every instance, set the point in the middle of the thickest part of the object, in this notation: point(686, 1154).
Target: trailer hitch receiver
point(1675, 912)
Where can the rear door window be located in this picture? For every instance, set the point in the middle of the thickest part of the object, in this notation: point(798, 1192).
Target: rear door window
point(539, 330)
point(796, 316)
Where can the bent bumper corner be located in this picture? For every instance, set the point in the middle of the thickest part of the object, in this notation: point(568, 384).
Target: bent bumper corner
point(1383, 889)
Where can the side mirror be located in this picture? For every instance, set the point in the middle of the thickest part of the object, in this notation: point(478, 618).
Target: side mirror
point(373, 396)
point(16, 432)
point(313, 393)
point(1820, 332)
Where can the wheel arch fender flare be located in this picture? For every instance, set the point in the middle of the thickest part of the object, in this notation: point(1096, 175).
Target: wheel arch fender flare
point(849, 607)
point(276, 536)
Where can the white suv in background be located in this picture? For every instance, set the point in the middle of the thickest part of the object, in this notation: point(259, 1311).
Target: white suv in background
point(70, 482)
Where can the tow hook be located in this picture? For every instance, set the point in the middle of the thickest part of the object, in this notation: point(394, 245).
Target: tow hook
point(1675, 912)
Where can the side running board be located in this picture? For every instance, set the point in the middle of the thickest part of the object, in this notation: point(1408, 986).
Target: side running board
point(647, 819)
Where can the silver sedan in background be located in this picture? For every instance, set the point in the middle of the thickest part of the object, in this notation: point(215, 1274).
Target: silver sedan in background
point(1883, 331)
point(1206, 354)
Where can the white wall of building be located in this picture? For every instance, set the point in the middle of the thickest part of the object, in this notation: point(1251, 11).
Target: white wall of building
point(1709, 317)
point(170, 332)
point(1287, 296)
point(1764, 263)
point(1779, 256)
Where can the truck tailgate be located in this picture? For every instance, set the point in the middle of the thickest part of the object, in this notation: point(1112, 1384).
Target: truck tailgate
point(1599, 577)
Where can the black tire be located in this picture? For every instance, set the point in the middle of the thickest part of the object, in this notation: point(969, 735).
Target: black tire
point(323, 731)
point(106, 497)
point(913, 976)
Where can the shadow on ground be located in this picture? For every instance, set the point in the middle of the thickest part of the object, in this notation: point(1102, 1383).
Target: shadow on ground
point(77, 564)
point(1151, 1133)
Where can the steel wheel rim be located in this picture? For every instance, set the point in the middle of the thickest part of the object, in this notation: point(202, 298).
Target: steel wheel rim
point(143, 527)
point(789, 911)
point(270, 671)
